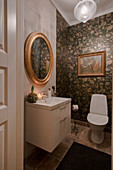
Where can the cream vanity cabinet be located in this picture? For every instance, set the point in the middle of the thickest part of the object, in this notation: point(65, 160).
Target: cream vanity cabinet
point(47, 123)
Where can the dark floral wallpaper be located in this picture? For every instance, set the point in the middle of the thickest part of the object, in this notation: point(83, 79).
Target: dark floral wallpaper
point(92, 36)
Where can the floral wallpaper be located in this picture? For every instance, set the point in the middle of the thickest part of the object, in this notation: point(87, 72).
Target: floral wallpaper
point(92, 36)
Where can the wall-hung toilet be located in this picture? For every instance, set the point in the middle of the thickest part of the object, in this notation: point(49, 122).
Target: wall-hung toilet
point(97, 117)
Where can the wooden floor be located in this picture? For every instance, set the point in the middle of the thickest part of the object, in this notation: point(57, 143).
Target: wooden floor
point(42, 160)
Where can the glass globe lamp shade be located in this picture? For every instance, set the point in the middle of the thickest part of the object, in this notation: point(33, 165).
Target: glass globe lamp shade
point(85, 10)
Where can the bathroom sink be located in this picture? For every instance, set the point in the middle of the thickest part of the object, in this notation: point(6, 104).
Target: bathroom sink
point(51, 103)
point(52, 100)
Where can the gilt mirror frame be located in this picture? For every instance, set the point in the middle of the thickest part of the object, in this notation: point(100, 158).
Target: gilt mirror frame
point(28, 46)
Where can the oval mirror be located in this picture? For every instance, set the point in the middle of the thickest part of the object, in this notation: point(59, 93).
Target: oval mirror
point(38, 58)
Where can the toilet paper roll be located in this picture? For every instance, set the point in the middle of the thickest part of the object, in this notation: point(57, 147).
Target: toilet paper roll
point(75, 107)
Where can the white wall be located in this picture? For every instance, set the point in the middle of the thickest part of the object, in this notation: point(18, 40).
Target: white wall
point(40, 15)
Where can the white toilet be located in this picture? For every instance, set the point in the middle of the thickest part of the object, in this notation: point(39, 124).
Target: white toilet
point(97, 117)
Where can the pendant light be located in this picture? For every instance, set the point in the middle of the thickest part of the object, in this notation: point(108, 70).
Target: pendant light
point(85, 10)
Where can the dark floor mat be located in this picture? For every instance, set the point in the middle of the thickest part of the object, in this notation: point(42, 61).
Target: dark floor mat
point(80, 157)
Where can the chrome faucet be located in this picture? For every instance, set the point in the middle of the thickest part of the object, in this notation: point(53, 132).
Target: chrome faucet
point(44, 95)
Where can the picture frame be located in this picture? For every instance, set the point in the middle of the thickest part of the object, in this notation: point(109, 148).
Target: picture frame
point(92, 64)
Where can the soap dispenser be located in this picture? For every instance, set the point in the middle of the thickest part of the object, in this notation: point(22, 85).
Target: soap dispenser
point(54, 94)
point(49, 92)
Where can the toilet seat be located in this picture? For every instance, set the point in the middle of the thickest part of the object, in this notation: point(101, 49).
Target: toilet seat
point(97, 119)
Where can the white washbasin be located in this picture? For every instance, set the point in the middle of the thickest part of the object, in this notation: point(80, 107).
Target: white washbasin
point(52, 101)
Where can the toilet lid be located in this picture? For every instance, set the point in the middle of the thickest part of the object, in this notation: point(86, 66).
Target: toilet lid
point(97, 119)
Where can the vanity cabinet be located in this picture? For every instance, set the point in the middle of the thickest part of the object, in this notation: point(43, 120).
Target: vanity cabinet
point(48, 123)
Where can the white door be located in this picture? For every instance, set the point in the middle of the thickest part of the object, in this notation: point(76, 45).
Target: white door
point(8, 84)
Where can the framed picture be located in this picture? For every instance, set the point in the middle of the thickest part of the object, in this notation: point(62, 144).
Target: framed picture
point(92, 64)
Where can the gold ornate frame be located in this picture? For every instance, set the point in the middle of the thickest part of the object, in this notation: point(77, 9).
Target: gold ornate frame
point(29, 42)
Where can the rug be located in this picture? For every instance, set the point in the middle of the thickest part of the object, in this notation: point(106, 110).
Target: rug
point(80, 157)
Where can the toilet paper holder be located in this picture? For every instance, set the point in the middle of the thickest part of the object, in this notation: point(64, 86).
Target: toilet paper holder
point(75, 107)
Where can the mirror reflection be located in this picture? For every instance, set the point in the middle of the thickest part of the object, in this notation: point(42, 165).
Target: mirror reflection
point(40, 58)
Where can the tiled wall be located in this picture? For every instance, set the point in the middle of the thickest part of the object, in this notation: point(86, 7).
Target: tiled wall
point(92, 36)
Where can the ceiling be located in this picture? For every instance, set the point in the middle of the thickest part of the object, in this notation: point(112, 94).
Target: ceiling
point(66, 8)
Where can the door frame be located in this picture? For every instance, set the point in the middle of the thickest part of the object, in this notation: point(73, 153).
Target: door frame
point(20, 85)
point(20, 88)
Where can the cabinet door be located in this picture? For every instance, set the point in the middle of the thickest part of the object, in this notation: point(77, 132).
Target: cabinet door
point(63, 121)
point(54, 127)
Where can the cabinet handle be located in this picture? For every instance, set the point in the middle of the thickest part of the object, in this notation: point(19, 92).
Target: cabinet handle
point(62, 107)
point(63, 119)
